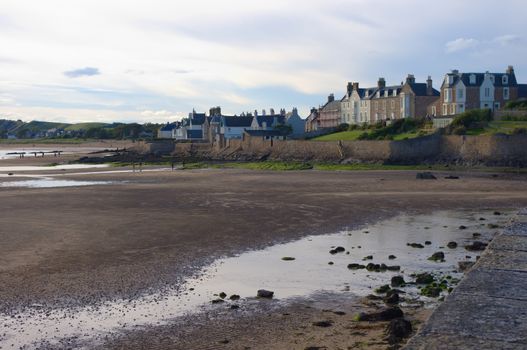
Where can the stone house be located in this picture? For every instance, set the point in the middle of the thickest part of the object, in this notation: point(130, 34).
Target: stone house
point(461, 92)
point(385, 102)
point(347, 107)
point(416, 97)
point(312, 121)
point(329, 114)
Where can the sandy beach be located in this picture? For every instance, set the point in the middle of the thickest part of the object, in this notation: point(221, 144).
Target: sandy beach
point(76, 246)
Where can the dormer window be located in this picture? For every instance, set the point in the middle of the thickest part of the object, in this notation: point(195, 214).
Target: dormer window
point(492, 78)
point(378, 94)
point(394, 92)
point(472, 79)
point(386, 93)
point(505, 80)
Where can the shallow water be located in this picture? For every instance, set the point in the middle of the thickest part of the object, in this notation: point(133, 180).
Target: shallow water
point(244, 274)
point(52, 183)
point(49, 168)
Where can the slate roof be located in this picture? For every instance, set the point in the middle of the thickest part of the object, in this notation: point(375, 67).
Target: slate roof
point(390, 90)
point(237, 121)
point(198, 119)
point(480, 77)
point(331, 105)
point(421, 89)
point(269, 120)
point(169, 127)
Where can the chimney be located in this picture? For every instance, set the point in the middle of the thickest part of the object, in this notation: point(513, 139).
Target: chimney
point(510, 70)
point(356, 86)
point(349, 88)
point(381, 83)
point(429, 87)
point(455, 71)
point(255, 113)
point(313, 110)
point(271, 111)
point(410, 79)
point(331, 98)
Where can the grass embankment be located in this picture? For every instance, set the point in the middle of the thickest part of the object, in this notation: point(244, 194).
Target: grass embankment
point(289, 166)
point(401, 129)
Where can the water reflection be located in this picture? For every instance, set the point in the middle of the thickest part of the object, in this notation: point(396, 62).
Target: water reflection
point(309, 273)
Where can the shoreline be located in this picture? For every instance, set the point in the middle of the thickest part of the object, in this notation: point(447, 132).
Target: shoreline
point(64, 246)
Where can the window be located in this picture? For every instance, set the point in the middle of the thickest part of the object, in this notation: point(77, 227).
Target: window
point(448, 95)
point(392, 104)
point(497, 105)
point(434, 111)
point(383, 104)
point(459, 93)
point(506, 93)
point(472, 79)
point(386, 93)
point(452, 109)
point(394, 92)
point(492, 78)
point(487, 92)
point(505, 80)
point(445, 109)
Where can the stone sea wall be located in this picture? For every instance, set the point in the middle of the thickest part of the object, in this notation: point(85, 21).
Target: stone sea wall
point(507, 150)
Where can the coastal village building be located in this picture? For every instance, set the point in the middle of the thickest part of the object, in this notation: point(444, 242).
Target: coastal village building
point(329, 114)
point(297, 124)
point(348, 107)
point(192, 128)
point(461, 92)
point(166, 132)
point(312, 121)
point(385, 102)
point(416, 97)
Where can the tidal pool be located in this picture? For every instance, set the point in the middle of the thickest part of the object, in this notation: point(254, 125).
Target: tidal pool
point(51, 167)
point(244, 274)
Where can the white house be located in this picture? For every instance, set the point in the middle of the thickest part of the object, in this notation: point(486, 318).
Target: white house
point(233, 127)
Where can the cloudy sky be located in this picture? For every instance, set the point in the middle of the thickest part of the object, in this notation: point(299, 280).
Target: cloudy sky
point(154, 60)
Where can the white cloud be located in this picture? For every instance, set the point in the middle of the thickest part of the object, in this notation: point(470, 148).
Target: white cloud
point(160, 55)
point(460, 44)
point(506, 39)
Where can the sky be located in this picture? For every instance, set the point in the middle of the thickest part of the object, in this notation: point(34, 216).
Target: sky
point(156, 61)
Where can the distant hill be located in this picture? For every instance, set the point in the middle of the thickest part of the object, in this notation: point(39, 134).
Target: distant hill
point(42, 129)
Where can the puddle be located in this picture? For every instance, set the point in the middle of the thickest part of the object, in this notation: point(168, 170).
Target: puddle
point(51, 183)
point(244, 274)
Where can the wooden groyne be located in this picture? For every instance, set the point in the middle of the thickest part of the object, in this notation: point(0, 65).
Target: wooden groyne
point(488, 309)
point(35, 153)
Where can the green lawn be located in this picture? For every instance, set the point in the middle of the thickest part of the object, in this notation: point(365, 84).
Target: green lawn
point(354, 135)
point(498, 127)
point(288, 166)
point(340, 136)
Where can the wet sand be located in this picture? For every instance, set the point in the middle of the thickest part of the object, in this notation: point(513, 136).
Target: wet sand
point(64, 247)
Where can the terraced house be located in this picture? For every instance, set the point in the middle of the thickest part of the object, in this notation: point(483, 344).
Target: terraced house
point(408, 100)
point(461, 92)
